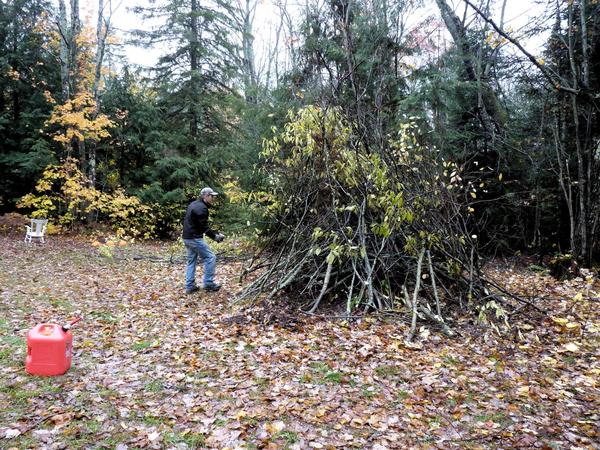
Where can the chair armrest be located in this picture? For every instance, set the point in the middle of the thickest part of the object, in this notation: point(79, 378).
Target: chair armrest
point(28, 228)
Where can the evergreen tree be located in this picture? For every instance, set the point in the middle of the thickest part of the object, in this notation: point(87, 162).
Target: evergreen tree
point(193, 90)
point(29, 77)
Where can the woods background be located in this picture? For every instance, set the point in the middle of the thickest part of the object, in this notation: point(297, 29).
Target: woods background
point(364, 134)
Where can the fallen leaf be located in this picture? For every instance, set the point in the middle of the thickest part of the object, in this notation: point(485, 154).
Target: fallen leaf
point(154, 436)
point(523, 390)
point(274, 427)
point(571, 347)
point(11, 433)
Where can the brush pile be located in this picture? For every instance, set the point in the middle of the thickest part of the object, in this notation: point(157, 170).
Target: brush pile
point(374, 230)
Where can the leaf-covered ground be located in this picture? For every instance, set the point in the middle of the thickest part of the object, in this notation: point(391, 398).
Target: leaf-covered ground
point(154, 368)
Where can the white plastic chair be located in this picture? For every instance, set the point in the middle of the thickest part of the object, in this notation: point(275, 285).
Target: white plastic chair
point(37, 230)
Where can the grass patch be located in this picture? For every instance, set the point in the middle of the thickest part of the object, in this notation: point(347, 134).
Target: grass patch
point(192, 440)
point(202, 376)
point(449, 360)
point(289, 438)
point(108, 394)
point(103, 316)
point(401, 396)
point(93, 426)
point(5, 355)
point(12, 348)
point(211, 354)
point(153, 420)
point(306, 378)
point(368, 391)
point(220, 422)
point(434, 423)
point(387, 371)
point(14, 340)
point(498, 418)
point(24, 395)
point(261, 381)
point(111, 441)
point(333, 377)
point(60, 303)
point(20, 394)
point(538, 269)
point(320, 367)
point(142, 345)
point(24, 441)
point(323, 374)
point(154, 386)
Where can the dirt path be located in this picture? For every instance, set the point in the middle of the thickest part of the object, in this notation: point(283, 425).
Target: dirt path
point(154, 368)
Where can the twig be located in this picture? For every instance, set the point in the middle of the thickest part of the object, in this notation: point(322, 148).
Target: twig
point(514, 296)
point(435, 292)
point(323, 289)
point(413, 324)
point(437, 319)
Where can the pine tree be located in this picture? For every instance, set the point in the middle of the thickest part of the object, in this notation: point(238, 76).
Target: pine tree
point(28, 79)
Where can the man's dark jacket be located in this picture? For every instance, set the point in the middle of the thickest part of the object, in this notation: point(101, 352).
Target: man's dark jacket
point(195, 222)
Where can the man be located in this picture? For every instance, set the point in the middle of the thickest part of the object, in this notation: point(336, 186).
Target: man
point(195, 227)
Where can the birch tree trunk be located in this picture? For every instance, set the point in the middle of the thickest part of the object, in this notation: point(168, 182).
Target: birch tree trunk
point(102, 30)
point(74, 47)
point(64, 49)
point(249, 62)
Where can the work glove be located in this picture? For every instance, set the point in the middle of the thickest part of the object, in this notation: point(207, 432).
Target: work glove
point(219, 237)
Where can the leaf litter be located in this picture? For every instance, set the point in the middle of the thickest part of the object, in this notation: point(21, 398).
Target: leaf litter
point(154, 368)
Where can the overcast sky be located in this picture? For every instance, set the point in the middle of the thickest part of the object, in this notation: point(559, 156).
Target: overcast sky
point(519, 13)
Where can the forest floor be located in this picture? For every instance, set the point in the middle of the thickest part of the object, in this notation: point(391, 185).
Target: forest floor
point(154, 368)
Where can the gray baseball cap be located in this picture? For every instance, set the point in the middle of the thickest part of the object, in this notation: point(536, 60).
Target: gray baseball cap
point(207, 191)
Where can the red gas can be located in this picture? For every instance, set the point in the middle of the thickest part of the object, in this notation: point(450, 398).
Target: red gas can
point(49, 350)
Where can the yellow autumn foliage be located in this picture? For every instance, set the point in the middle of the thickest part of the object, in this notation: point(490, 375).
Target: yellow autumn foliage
point(78, 118)
point(64, 194)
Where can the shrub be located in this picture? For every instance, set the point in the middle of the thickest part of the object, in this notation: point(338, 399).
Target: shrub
point(64, 194)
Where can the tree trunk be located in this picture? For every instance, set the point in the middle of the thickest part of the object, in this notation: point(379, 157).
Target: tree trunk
point(101, 34)
point(194, 66)
point(64, 50)
point(564, 177)
point(487, 102)
point(582, 181)
point(102, 29)
point(73, 47)
point(245, 23)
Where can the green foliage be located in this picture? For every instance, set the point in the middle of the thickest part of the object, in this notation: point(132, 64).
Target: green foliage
point(28, 71)
point(316, 145)
point(194, 103)
point(184, 124)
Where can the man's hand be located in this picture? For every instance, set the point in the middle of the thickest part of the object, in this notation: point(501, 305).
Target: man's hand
point(219, 237)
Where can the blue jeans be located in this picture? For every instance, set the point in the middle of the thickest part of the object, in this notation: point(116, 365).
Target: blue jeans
point(198, 248)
